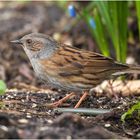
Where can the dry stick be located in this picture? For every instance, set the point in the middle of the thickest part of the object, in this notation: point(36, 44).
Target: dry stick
point(83, 110)
point(81, 100)
point(59, 102)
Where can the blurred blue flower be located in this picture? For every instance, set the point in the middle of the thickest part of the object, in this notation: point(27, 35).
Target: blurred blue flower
point(92, 23)
point(72, 11)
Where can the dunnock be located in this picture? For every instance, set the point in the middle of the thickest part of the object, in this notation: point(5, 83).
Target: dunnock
point(67, 67)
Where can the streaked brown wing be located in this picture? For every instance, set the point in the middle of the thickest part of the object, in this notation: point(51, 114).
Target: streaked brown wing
point(79, 67)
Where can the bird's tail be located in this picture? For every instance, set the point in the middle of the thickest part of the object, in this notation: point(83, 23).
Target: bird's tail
point(130, 69)
point(134, 69)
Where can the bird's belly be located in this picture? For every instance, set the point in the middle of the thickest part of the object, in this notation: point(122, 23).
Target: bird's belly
point(67, 86)
point(63, 83)
point(51, 78)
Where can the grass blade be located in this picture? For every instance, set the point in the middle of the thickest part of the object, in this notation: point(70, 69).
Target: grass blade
point(138, 14)
point(98, 33)
point(122, 18)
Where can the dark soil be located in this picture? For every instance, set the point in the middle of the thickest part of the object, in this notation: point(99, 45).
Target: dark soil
point(24, 107)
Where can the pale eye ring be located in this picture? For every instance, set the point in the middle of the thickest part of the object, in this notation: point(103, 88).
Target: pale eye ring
point(28, 41)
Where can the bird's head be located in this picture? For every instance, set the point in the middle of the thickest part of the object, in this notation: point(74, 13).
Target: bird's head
point(37, 45)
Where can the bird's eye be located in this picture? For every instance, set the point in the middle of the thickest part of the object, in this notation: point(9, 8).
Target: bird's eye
point(28, 41)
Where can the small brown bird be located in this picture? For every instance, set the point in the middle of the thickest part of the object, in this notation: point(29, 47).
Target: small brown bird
point(69, 68)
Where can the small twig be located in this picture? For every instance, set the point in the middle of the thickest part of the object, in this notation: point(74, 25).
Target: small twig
point(83, 110)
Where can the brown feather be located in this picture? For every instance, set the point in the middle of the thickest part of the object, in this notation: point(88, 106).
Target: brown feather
point(80, 68)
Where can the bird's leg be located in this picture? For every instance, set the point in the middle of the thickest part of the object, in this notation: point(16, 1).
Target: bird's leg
point(81, 99)
point(61, 101)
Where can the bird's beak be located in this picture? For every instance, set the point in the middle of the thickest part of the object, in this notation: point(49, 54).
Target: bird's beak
point(17, 42)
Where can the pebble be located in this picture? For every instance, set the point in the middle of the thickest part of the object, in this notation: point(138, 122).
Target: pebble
point(4, 128)
point(44, 128)
point(28, 115)
point(57, 36)
point(49, 111)
point(52, 99)
point(24, 121)
point(49, 121)
point(69, 138)
point(107, 125)
point(34, 105)
point(138, 136)
point(119, 107)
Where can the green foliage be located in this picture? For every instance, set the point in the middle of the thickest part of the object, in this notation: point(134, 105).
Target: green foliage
point(23, 1)
point(130, 111)
point(138, 14)
point(62, 4)
point(2, 87)
point(118, 14)
point(111, 23)
point(97, 32)
point(110, 19)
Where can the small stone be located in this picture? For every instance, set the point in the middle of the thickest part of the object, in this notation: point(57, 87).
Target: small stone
point(24, 121)
point(23, 110)
point(49, 121)
point(57, 36)
point(29, 115)
point(34, 105)
point(138, 136)
point(23, 100)
point(52, 99)
point(44, 128)
point(107, 125)
point(49, 111)
point(4, 128)
point(119, 107)
point(69, 138)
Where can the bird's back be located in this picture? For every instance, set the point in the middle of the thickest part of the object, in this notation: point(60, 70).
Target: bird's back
point(77, 69)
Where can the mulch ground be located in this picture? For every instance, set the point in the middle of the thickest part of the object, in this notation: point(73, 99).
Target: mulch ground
point(23, 109)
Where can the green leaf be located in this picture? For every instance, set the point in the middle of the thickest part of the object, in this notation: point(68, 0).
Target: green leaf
point(128, 114)
point(111, 23)
point(118, 14)
point(122, 27)
point(97, 33)
point(138, 14)
point(103, 9)
point(100, 35)
point(114, 17)
point(3, 87)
